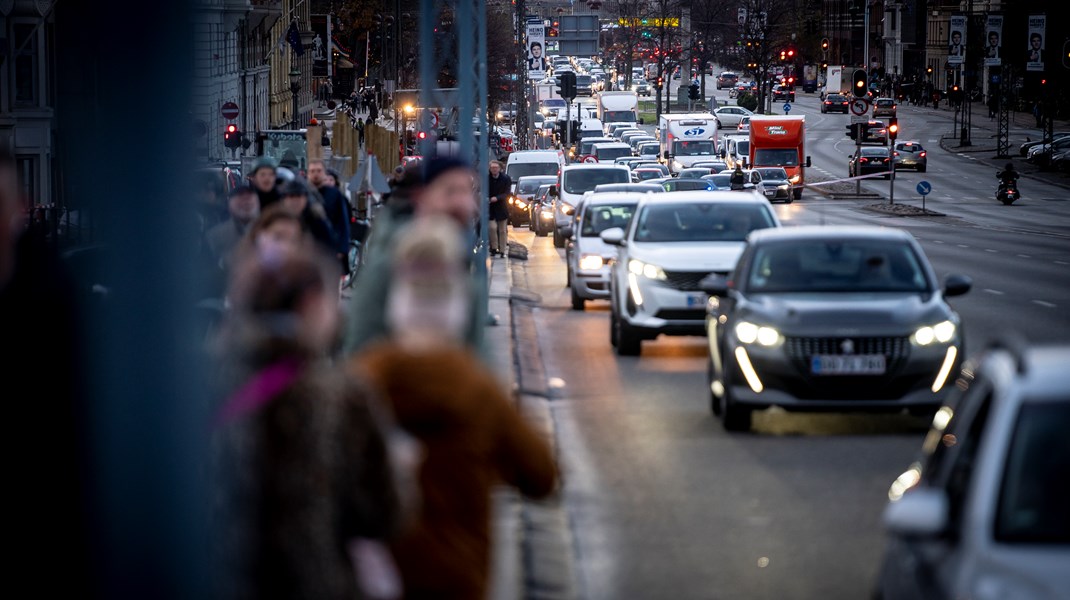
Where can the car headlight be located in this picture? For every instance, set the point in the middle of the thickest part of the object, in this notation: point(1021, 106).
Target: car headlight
point(795, 179)
point(547, 214)
point(647, 270)
point(568, 209)
point(749, 333)
point(591, 262)
point(783, 186)
point(512, 200)
point(939, 333)
point(520, 204)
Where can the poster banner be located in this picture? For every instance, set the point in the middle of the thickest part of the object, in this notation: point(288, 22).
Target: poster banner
point(536, 51)
point(320, 45)
point(993, 40)
point(1034, 59)
point(956, 47)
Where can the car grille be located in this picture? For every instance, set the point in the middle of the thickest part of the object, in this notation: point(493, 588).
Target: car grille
point(801, 349)
point(681, 314)
point(686, 281)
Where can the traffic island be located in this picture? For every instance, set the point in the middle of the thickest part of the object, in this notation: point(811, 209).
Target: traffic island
point(902, 210)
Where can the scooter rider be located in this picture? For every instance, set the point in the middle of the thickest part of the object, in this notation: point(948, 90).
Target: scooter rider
point(1008, 176)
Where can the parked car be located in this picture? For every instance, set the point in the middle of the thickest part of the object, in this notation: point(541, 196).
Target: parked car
point(982, 513)
point(868, 161)
point(884, 107)
point(835, 103)
point(831, 318)
point(672, 242)
point(1023, 150)
point(911, 155)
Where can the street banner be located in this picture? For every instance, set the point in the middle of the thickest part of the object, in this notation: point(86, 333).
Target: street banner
point(536, 51)
point(320, 45)
point(993, 40)
point(956, 47)
point(1034, 59)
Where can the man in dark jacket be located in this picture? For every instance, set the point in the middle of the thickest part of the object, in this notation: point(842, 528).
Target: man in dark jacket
point(498, 188)
point(336, 206)
point(738, 179)
point(263, 178)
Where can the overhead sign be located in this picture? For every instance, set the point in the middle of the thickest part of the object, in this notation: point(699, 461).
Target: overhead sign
point(229, 110)
point(578, 35)
point(859, 106)
point(638, 22)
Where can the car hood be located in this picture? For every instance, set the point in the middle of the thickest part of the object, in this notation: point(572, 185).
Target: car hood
point(856, 313)
point(688, 256)
point(594, 245)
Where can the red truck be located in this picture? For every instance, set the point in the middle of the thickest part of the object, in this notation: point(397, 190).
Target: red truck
point(780, 142)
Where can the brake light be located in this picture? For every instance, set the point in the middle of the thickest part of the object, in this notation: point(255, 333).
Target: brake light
point(863, 159)
point(896, 154)
point(922, 154)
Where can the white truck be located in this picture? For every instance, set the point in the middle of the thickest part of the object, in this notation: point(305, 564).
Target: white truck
point(838, 80)
point(687, 138)
point(618, 108)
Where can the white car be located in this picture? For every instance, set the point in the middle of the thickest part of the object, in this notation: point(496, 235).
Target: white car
point(586, 254)
point(730, 116)
point(673, 241)
point(983, 513)
point(577, 180)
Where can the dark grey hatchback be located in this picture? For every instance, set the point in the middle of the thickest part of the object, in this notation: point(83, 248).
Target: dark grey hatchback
point(830, 319)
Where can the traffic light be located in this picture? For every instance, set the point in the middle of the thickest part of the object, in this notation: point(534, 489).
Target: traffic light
point(1066, 54)
point(852, 131)
point(566, 86)
point(824, 43)
point(893, 128)
point(693, 92)
point(231, 136)
point(659, 83)
point(929, 71)
point(860, 82)
point(791, 53)
point(783, 55)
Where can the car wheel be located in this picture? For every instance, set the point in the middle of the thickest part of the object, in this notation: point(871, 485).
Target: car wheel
point(577, 302)
point(715, 402)
point(612, 324)
point(796, 194)
point(921, 169)
point(733, 416)
point(628, 341)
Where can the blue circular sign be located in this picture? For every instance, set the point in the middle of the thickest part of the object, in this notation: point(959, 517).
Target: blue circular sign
point(787, 107)
point(924, 187)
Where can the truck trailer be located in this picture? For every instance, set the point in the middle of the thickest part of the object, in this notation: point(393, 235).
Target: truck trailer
point(780, 142)
point(838, 80)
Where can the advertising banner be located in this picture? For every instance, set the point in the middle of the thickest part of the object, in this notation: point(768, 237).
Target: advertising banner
point(1034, 58)
point(956, 47)
point(993, 40)
point(536, 51)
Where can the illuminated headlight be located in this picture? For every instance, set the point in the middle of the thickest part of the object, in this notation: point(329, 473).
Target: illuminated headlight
point(568, 209)
point(591, 262)
point(783, 186)
point(512, 200)
point(546, 214)
point(520, 203)
point(638, 267)
point(939, 333)
point(500, 115)
point(749, 333)
point(795, 179)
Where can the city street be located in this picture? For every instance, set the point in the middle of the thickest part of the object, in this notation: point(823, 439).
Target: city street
point(662, 502)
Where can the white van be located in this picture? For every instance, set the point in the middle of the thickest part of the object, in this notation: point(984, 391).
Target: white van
point(534, 162)
point(609, 152)
point(590, 128)
point(577, 180)
point(687, 139)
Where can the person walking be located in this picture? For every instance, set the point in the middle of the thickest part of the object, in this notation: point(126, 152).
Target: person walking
point(296, 199)
point(499, 186)
point(360, 133)
point(471, 434)
point(336, 207)
point(301, 462)
point(223, 238)
point(264, 179)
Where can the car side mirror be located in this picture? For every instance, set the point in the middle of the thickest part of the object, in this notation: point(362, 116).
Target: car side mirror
point(614, 236)
point(808, 162)
point(640, 120)
point(957, 285)
point(714, 285)
point(553, 191)
point(921, 512)
point(666, 155)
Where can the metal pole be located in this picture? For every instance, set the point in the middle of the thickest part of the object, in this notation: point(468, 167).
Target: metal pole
point(891, 179)
point(865, 41)
point(429, 17)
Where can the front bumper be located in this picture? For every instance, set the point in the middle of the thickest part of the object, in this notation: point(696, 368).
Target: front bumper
point(664, 310)
point(591, 285)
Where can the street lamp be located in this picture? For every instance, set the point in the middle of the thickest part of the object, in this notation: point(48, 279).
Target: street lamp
point(295, 87)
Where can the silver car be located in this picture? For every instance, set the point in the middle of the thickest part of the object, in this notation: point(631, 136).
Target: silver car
point(911, 155)
point(587, 256)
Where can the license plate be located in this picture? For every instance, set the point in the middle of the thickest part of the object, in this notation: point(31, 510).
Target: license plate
point(860, 364)
point(696, 300)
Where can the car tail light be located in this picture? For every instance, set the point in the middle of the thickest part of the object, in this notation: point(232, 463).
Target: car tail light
point(895, 153)
point(863, 159)
point(922, 155)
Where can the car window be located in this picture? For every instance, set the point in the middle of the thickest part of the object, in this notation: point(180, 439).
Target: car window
point(525, 169)
point(786, 157)
point(1035, 491)
point(909, 147)
point(773, 173)
point(583, 180)
point(700, 222)
point(836, 266)
point(599, 218)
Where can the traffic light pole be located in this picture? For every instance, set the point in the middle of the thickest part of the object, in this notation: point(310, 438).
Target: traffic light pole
point(891, 178)
point(858, 154)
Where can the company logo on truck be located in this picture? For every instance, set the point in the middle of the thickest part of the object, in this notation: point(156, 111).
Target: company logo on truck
point(776, 130)
point(694, 132)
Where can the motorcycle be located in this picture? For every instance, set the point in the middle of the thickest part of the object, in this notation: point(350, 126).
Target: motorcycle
point(1007, 192)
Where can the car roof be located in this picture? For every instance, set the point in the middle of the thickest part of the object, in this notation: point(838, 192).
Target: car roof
point(611, 145)
point(600, 198)
point(584, 166)
point(534, 177)
point(823, 232)
point(874, 150)
point(706, 196)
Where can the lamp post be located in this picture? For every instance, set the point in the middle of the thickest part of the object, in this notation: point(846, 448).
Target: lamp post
point(295, 87)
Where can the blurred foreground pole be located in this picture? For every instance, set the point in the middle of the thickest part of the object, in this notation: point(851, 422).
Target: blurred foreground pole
point(122, 84)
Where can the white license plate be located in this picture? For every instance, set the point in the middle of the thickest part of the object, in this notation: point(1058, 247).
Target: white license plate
point(696, 300)
point(861, 364)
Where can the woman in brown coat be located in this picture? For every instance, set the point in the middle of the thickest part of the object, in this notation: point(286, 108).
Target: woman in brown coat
point(443, 395)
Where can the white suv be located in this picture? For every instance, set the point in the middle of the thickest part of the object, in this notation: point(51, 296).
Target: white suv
point(983, 513)
point(673, 241)
point(587, 256)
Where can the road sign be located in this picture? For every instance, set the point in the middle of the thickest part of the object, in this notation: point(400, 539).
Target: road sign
point(859, 106)
point(787, 107)
point(924, 187)
point(859, 118)
point(229, 111)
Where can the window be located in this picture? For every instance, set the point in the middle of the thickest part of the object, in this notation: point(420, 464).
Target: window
point(601, 218)
point(701, 222)
point(781, 157)
point(27, 167)
point(836, 266)
point(26, 86)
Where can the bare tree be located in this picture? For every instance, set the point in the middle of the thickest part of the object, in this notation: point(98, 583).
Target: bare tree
point(629, 33)
point(664, 26)
point(767, 27)
point(714, 27)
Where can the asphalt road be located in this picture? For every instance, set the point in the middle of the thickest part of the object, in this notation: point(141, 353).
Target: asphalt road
point(663, 503)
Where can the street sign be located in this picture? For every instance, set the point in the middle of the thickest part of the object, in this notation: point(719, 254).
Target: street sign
point(787, 107)
point(229, 111)
point(859, 106)
point(924, 187)
point(859, 118)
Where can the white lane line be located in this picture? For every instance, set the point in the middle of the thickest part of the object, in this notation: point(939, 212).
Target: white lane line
point(932, 142)
point(1044, 304)
point(962, 245)
point(996, 292)
point(991, 250)
point(938, 241)
point(1062, 262)
point(1024, 256)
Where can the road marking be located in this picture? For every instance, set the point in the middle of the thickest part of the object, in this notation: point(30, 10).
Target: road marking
point(991, 250)
point(962, 245)
point(1044, 304)
point(996, 292)
point(1062, 262)
point(932, 141)
point(1024, 256)
point(938, 241)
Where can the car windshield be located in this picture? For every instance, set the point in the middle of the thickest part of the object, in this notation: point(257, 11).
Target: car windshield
point(586, 145)
point(719, 180)
point(583, 80)
point(525, 169)
point(528, 186)
point(701, 222)
point(854, 265)
point(680, 185)
point(618, 116)
point(1034, 493)
point(579, 181)
point(605, 216)
point(836, 98)
point(885, 103)
point(781, 157)
point(612, 153)
point(773, 173)
point(648, 148)
point(645, 174)
point(874, 152)
point(695, 148)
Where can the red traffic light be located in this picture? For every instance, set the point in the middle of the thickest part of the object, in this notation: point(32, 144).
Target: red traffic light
point(791, 53)
point(422, 135)
point(231, 128)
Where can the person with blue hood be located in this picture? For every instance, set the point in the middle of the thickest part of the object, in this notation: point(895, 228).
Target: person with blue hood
point(438, 186)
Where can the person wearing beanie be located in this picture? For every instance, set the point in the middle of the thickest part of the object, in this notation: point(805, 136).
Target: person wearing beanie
point(438, 186)
point(263, 178)
point(297, 199)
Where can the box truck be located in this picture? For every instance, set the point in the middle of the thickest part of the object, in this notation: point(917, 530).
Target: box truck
point(838, 80)
point(617, 108)
point(780, 142)
point(687, 138)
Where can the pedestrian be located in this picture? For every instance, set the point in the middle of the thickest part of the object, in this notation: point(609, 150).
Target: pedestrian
point(301, 461)
point(472, 436)
point(264, 179)
point(738, 179)
point(275, 227)
point(336, 207)
point(243, 207)
point(499, 186)
point(437, 186)
point(1038, 114)
point(297, 199)
point(360, 132)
